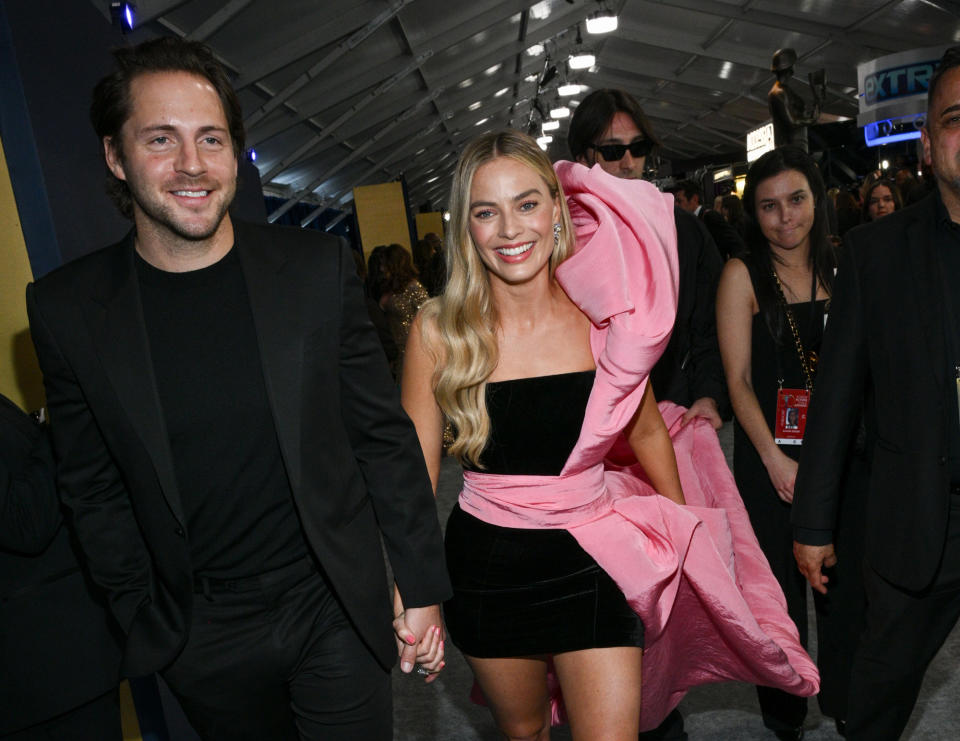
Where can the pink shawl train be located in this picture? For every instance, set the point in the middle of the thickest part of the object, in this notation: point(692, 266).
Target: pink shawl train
point(711, 608)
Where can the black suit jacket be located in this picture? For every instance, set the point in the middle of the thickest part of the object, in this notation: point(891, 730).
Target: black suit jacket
point(58, 648)
point(351, 455)
point(885, 338)
point(690, 367)
point(728, 239)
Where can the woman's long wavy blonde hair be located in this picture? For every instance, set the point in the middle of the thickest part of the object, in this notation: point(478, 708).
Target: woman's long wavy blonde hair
point(464, 315)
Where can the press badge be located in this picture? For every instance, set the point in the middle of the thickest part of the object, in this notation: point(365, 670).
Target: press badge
point(791, 418)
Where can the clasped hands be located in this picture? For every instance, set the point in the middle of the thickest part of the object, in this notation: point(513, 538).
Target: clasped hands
point(420, 638)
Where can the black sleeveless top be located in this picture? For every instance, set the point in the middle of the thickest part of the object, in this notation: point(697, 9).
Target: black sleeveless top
point(534, 423)
point(771, 361)
point(521, 592)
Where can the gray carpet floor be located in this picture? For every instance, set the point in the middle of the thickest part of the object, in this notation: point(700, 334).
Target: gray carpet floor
point(442, 711)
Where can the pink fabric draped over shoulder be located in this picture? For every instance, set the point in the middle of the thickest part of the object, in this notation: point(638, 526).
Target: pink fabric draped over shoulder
point(711, 608)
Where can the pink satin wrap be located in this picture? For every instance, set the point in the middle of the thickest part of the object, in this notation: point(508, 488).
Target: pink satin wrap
point(711, 608)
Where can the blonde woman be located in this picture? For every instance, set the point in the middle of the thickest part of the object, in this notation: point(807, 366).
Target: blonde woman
point(541, 368)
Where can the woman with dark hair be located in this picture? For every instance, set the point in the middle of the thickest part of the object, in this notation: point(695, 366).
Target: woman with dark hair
point(880, 199)
point(732, 210)
point(400, 295)
point(771, 309)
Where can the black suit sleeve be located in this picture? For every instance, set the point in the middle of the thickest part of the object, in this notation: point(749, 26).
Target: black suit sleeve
point(835, 407)
point(387, 449)
point(727, 239)
point(90, 483)
point(29, 508)
point(706, 373)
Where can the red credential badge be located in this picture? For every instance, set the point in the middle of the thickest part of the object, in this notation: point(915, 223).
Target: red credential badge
point(791, 421)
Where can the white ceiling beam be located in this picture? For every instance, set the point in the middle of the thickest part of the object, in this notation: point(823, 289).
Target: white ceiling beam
point(341, 49)
point(308, 146)
point(396, 153)
point(783, 22)
point(355, 154)
point(217, 20)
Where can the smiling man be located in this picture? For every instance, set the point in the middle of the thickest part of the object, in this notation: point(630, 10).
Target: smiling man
point(229, 441)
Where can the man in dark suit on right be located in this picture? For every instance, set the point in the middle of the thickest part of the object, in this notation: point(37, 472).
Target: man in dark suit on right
point(893, 339)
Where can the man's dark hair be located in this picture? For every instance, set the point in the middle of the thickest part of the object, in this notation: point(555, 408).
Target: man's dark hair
point(688, 188)
point(950, 60)
point(110, 107)
point(593, 115)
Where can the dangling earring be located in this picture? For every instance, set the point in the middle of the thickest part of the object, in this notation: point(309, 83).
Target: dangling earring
point(556, 234)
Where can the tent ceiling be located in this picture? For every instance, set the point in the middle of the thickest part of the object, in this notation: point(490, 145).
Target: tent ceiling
point(342, 93)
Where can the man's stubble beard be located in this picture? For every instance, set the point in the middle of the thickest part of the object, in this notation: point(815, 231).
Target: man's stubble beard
point(161, 217)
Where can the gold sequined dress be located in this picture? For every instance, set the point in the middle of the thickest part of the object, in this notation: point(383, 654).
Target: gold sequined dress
point(400, 309)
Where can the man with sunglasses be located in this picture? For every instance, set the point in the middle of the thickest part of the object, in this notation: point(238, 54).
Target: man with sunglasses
point(609, 129)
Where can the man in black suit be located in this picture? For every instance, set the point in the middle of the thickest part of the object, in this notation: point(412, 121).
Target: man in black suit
point(610, 129)
point(229, 440)
point(728, 241)
point(894, 335)
point(60, 654)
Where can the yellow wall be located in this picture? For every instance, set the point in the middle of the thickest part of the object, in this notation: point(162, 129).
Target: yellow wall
point(430, 222)
point(381, 215)
point(19, 373)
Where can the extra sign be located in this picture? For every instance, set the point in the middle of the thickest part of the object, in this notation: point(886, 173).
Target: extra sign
point(894, 87)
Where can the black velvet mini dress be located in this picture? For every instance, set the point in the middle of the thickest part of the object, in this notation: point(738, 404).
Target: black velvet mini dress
point(522, 592)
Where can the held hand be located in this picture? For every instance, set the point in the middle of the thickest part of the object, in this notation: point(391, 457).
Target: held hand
point(704, 407)
point(783, 473)
point(811, 559)
point(420, 640)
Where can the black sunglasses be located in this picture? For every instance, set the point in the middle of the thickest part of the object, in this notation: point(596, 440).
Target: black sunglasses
point(615, 152)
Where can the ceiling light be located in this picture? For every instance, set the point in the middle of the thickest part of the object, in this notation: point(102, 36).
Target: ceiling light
point(551, 125)
point(465, 83)
point(561, 112)
point(492, 70)
point(474, 106)
point(571, 89)
point(501, 92)
point(581, 61)
point(531, 78)
point(481, 121)
point(536, 50)
point(122, 15)
point(543, 141)
point(601, 22)
point(540, 11)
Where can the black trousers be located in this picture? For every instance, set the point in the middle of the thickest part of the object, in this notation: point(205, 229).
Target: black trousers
point(839, 614)
point(274, 657)
point(97, 720)
point(904, 630)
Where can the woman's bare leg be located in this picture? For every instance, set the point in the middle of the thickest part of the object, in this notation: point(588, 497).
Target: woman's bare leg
point(601, 692)
point(516, 691)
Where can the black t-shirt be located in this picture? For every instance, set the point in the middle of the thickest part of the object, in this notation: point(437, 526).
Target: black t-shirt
point(237, 500)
